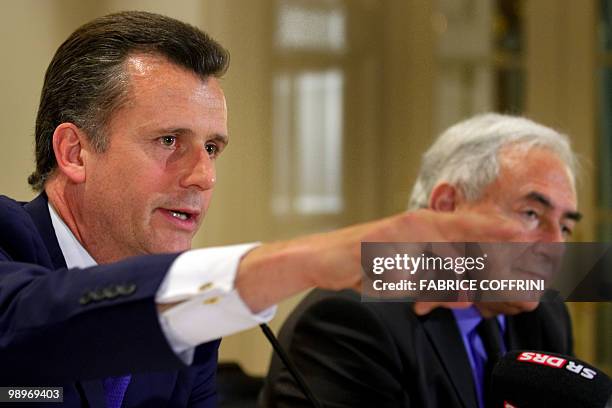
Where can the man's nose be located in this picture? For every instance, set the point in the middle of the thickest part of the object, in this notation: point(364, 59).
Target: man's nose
point(550, 243)
point(199, 172)
point(552, 232)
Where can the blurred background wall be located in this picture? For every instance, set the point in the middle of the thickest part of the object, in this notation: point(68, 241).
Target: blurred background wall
point(332, 102)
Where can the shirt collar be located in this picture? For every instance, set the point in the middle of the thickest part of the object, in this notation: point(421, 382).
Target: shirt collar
point(74, 254)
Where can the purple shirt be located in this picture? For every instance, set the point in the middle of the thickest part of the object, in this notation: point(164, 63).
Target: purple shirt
point(467, 320)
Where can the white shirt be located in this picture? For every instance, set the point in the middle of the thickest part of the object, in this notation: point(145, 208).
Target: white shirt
point(203, 279)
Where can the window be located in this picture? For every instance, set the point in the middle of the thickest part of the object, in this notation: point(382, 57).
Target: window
point(308, 142)
point(479, 58)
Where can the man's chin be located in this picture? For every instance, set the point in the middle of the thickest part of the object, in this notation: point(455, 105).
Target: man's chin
point(170, 245)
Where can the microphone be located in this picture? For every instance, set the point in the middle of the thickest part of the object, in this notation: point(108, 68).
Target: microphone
point(526, 379)
point(290, 366)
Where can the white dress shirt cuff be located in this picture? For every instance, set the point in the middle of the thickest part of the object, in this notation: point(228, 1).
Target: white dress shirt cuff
point(203, 280)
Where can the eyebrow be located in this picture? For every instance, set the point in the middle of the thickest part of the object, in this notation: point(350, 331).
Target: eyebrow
point(219, 137)
point(545, 201)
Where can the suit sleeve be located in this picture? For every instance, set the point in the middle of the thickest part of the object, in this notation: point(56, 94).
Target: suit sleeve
point(346, 356)
point(66, 324)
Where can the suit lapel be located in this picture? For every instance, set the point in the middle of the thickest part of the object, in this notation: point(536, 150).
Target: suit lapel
point(39, 212)
point(445, 337)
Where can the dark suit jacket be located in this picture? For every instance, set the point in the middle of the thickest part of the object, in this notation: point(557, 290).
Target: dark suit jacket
point(72, 328)
point(355, 354)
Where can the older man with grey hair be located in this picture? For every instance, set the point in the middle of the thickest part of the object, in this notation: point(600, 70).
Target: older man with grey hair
point(357, 354)
point(467, 155)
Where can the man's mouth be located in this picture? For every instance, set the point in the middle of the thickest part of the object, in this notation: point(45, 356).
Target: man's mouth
point(183, 218)
point(180, 215)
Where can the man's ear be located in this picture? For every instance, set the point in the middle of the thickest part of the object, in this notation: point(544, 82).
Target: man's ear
point(445, 197)
point(69, 144)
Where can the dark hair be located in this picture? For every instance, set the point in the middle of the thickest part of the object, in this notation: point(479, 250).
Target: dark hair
point(86, 80)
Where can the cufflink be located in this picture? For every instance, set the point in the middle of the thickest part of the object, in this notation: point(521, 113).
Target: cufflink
point(211, 301)
point(205, 286)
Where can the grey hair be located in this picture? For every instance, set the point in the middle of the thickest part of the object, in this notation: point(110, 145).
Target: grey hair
point(466, 154)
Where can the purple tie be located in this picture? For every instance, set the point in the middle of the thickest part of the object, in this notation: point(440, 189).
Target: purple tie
point(480, 358)
point(487, 346)
point(114, 389)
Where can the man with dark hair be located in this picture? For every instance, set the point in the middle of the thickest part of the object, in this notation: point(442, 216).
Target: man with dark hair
point(99, 290)
point(86, 81)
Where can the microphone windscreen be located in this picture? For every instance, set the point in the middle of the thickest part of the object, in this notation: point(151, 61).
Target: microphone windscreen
point(526, 379)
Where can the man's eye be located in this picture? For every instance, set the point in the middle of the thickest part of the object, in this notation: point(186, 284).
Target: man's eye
point(530, 218)
point(212, 149)
point(168, 141)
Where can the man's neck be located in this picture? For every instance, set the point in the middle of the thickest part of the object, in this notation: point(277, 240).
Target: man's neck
point(74, 254)
point(58, 195)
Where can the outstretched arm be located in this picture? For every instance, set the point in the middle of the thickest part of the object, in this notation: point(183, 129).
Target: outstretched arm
point(276, 271)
